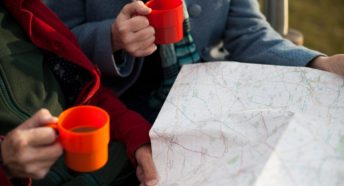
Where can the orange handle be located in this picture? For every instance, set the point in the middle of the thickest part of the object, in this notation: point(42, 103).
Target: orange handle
point(52, 125)
point(55, 127)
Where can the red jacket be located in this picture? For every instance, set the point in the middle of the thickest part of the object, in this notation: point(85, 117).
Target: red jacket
point(48, 33)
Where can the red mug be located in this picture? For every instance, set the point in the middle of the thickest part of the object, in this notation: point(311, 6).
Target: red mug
point(167, 18)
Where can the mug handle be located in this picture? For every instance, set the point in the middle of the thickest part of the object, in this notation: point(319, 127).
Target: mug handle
point(52, 125)
point(55, 127)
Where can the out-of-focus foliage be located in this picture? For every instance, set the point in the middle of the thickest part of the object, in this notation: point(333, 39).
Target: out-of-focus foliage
point(321, 22)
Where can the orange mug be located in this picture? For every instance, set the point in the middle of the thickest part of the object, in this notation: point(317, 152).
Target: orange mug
point(84, 132)
point(167, 18)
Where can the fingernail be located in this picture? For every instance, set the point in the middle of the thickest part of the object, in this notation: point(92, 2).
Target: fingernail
point(152, 182)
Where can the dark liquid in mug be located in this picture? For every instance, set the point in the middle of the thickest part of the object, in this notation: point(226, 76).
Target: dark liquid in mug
point(83, 129)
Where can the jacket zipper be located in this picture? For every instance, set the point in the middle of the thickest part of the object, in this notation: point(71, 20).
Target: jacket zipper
point(9, 101)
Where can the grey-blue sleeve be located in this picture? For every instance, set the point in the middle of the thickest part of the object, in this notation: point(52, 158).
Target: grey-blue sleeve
point(250, 38)
point(94, 37)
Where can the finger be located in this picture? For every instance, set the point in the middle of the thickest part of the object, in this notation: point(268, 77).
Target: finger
point(145, 52)
point(142, 45)
point(40, 118)
point(138, 23)
point(40, 154)
point(33, 162)
point(139, 174)
point(143, 48)
point(46, 153)
point(134, 8)
point(141, 8)
point(37, 170)
point(141, 39)
point(40, 136)
point(150, 173)
point(39, 174)
point(144, 34)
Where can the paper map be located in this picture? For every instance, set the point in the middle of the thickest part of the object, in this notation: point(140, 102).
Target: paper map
point(229, 123)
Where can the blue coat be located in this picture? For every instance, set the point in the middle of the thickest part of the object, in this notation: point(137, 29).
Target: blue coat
point(238, 24)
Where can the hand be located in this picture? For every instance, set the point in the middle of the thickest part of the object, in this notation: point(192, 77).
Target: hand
point(331, 64)
point(29, 150)
point(146, 172)
point(131, 30)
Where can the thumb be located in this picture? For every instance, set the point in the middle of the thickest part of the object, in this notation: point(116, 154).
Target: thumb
point(132, 9)
point(40, 118)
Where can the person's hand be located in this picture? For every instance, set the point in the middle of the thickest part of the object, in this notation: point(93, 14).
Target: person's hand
point(30, 149)
point(146, 172)
point(331, 64)
point(131, 30)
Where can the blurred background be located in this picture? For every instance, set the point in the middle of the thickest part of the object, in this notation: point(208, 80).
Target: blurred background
point(321, 22)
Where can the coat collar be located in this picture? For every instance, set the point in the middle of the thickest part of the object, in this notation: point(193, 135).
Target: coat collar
point(47, 32)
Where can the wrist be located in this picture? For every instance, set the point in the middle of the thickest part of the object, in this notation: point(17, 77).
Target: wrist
point(319, 62)
point(114, 41)
point(115, 47)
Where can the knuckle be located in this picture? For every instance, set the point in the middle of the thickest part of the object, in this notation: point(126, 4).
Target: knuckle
point(127, 6)
point(146, 34)
point(141, 21)
point(151, 30)
point(29, 169)
point(58, 150)
point(150, 50)
point(43, 111)
point(131, 49)
point(126, 39)
point(51, 133)
point(145, 21)
point(137, 3)
point(148, 44)
point(151, 41)
point(18, 140)
point(122, 29)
